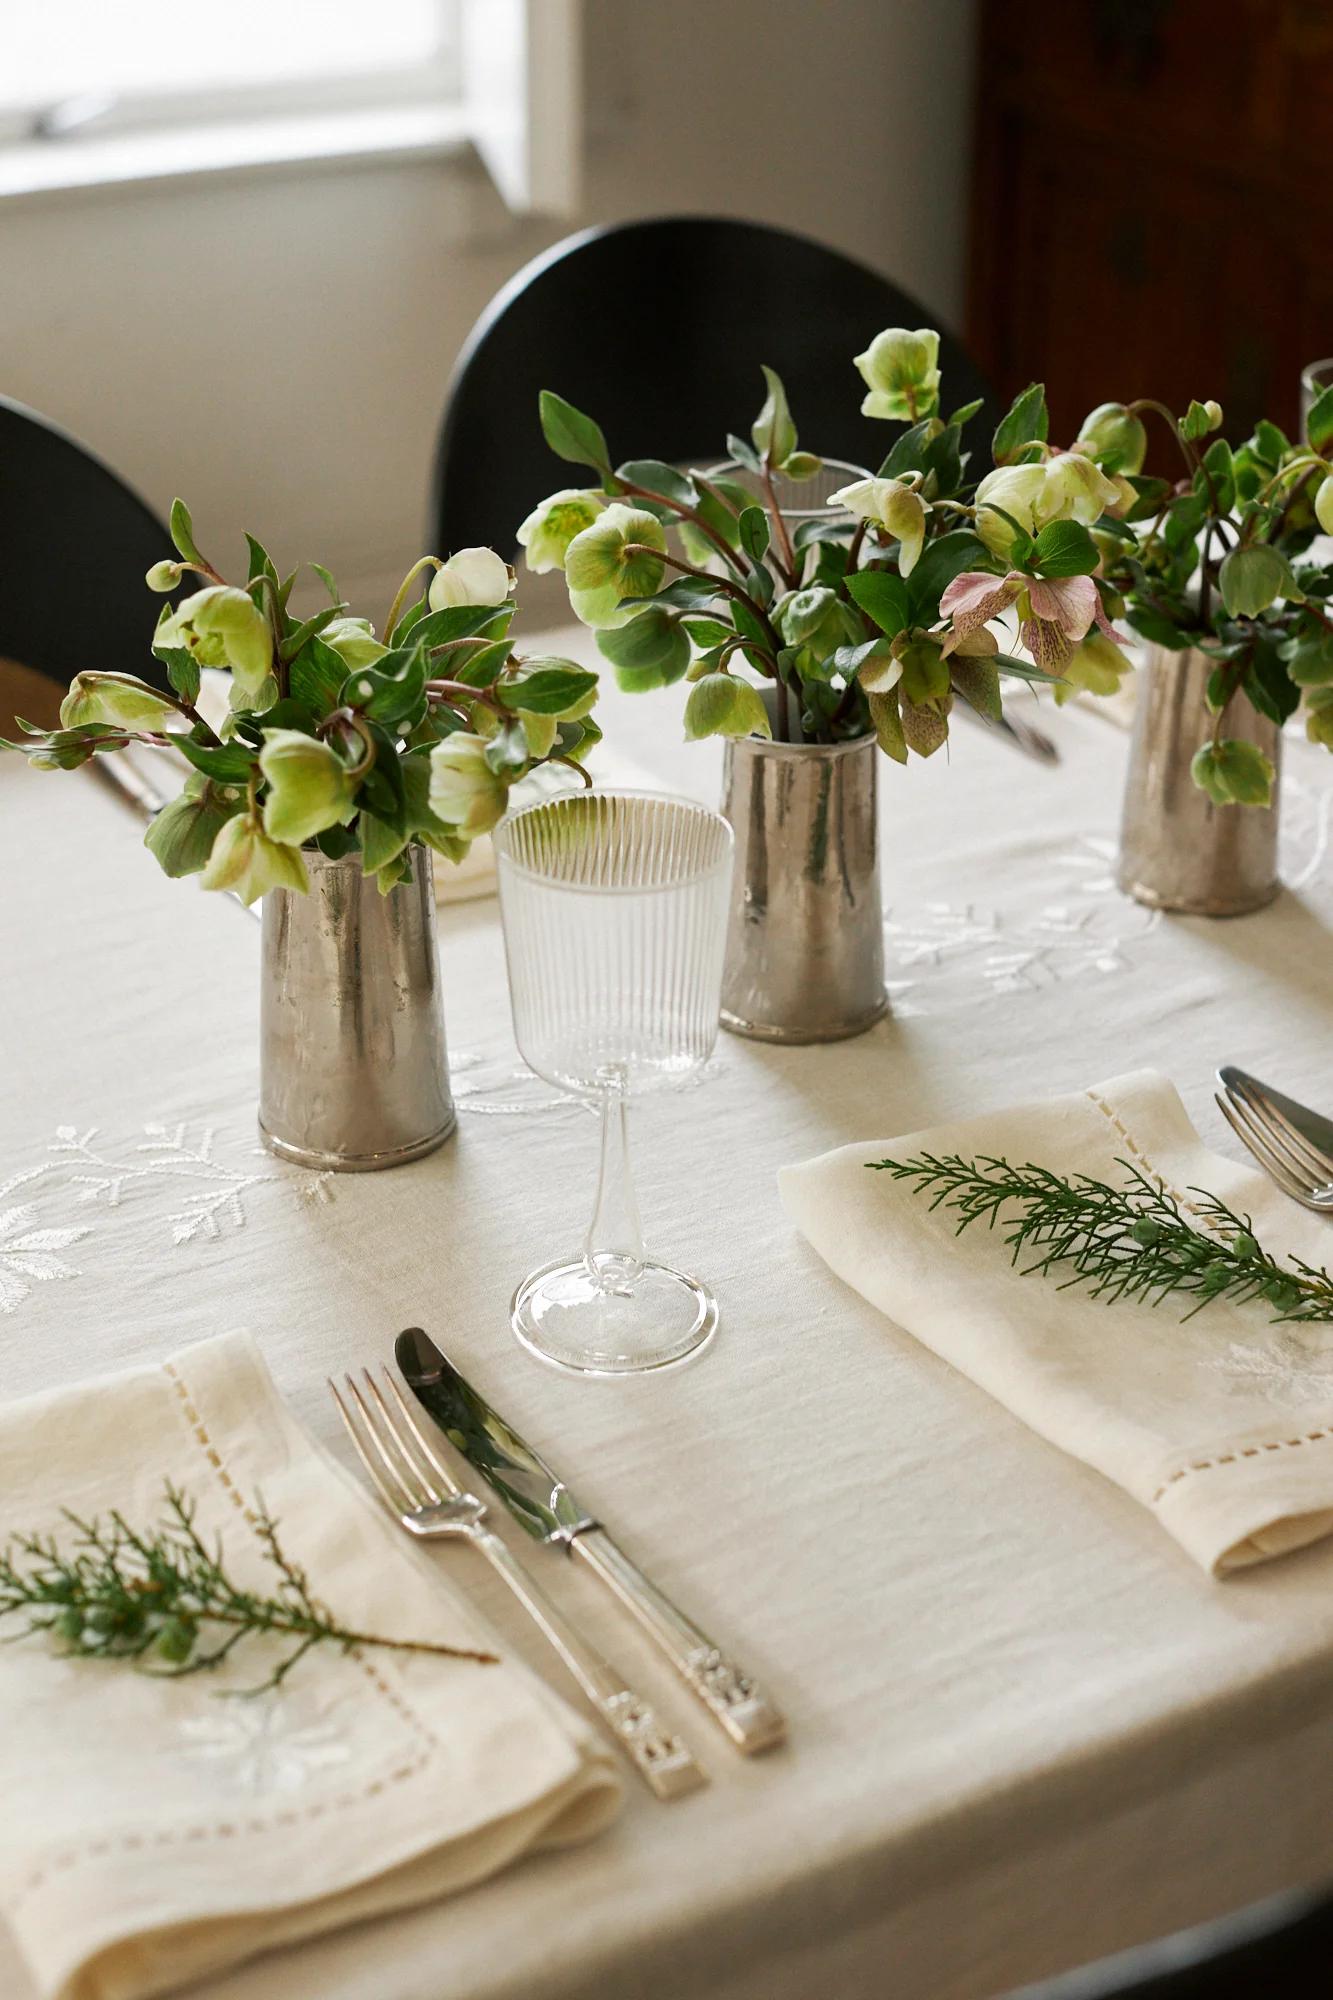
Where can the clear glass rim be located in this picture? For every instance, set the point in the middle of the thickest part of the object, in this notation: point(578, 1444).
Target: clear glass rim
point(505, 858)
point(1317, 374)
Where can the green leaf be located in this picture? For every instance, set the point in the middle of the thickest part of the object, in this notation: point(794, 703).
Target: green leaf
point(390, 691)
point(1196, 422)
point(883, 597)
point(965, 414)
point(1064, 548)
point(1252, 578)
point(1154, 625)
point(460, 621)
point(181, 836)
point(1233, 773)
point(295, 639)
point(326, 578)
point(316, 676)
point(743, 453)
point(755, 533)
point(907, 453)
point(773, 431)
point(706, 631)
point(658, 478)
point(1269, 686)
point(653, 650)
point(570, 434)
point(1319, 423)
point(261, 564)
point(1023, 670)
point(945, 558)
point(1309, 657)
point(549, 690)
point(229, 763)
point(381, 842)
point(382, 788)
point(1025, 422)
point(182, 532)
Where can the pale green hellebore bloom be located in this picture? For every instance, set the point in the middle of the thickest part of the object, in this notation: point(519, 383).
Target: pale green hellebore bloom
point(720, 705)
point(1115, 436)
point(464, 791)
point(549, 529)
point(901, 372)
point(309, 788)
point(472, 576)
point(354, 641)
point(1016, 489)
point(890, 505)
point(1096, 666)
point(181, 837)
point(223, 627)
point(1074, 489)
point(248, 863)
point(1323, 504)
point(601, 570)
point(117, 699)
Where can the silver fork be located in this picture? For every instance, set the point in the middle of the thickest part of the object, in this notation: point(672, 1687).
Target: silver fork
point(423, 1495)
point(1292, 1162)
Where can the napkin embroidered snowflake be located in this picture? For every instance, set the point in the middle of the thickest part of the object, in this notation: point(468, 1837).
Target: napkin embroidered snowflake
point(264, 1745)
point(1283, 1367)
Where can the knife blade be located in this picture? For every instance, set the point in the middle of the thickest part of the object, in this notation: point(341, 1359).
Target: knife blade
point(546, 1508)
point(1311, 1124)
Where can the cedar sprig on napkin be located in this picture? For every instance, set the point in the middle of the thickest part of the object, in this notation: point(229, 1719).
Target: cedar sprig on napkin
point(116, 1593)
point(1134, 1242)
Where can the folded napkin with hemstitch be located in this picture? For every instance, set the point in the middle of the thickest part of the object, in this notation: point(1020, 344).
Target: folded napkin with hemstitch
point(1222, 1425)
point(155, 1830)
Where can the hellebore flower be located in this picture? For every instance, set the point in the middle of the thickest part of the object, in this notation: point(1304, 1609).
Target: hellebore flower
point(1054, 612)
point(309, 786)
point(901, 372)
point(550, 528)
point(1115, 437)
point(472, 576)
point(117, 699)
point(464, 791)
point(246, 861)
point(223, 627)
point(720, 705)
point(892, 506)
point(1096, 666)
point(602, 565)
point(354, 641)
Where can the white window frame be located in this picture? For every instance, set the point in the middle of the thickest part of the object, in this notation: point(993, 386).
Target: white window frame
point(507, 82)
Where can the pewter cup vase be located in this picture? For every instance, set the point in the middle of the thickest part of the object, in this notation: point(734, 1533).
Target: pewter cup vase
point(1179, 851)
point(353, 1069)
point(805, 945)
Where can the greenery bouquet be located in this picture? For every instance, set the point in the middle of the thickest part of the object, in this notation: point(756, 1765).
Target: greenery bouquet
point(333, 738)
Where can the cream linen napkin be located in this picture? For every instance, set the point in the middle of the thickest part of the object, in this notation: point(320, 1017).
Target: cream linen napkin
point(1223, 1426)
point(154, 1831)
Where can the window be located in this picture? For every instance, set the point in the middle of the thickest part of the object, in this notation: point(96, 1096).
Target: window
point(100, 91)
point(72, 69)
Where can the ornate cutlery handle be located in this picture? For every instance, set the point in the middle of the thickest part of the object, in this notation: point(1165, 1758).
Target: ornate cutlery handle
point(750, 1719)
point(662, 1760)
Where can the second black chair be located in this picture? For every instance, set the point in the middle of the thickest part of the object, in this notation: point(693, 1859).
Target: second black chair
point(657, 329)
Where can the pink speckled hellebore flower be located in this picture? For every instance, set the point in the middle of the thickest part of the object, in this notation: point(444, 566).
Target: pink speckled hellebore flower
point(1054, 612)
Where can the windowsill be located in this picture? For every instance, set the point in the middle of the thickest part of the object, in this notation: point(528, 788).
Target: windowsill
point(335, 138)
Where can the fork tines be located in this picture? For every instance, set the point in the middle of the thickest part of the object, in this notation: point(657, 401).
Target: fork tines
point(402, 1464)
point(1291, 1160)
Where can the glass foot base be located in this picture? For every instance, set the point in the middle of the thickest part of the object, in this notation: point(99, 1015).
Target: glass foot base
point(563, 1316)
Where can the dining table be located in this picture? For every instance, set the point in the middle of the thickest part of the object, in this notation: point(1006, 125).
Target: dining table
point(1025, 1728)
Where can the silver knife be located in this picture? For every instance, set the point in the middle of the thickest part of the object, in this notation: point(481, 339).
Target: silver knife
point(544, 1506)
point(1311, 1124)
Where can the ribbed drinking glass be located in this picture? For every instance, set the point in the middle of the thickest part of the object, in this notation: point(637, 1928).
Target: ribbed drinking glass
point(614, 907)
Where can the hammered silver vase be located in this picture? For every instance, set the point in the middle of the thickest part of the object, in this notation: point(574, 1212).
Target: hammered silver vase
point(1179, 851)
point(353, 1069)
point(805, 942)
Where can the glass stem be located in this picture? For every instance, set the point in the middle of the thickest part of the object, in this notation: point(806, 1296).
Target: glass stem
point(613, 1246)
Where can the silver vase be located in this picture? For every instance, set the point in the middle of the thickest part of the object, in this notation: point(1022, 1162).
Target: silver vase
point(353, 1069)
point(805, 944)
point(1179, 851)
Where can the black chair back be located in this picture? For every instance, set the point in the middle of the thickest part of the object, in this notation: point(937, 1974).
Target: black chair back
point(1280, 1949)
point(76, 544)
point(657, 330)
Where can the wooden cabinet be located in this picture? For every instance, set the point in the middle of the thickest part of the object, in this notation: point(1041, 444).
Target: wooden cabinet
point(1153, 202)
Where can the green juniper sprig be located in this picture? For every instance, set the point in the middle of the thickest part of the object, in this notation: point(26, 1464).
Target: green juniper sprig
point(1134, 1242)
point(118, 1594)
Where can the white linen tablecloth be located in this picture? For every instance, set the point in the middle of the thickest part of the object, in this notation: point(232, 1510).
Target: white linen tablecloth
point(1026, 1728)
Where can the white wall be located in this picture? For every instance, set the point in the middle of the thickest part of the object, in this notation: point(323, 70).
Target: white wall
point(275, 348)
